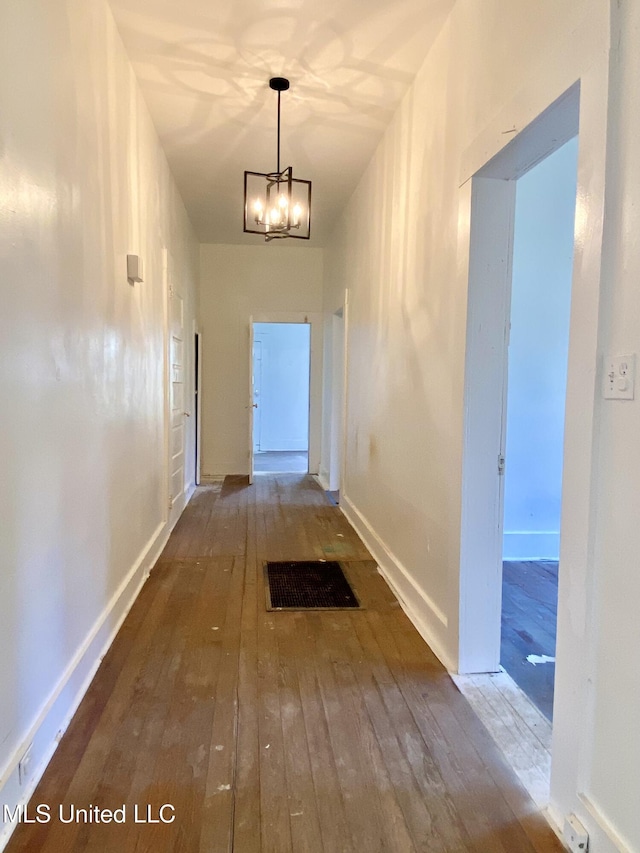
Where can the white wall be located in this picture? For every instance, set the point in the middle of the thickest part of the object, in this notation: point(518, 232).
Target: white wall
point(611, 769)
point(402, 250)
point(284, 386)
point(396, 249)
point(238, 282)
point(83, 181)
point(538, 348)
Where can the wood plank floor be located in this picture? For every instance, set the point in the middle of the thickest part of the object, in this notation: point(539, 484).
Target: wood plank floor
point(521, 731)
point(529, 614)
point(276, 732)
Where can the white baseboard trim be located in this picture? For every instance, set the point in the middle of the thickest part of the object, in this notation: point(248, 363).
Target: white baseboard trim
point(422, 612)
point(288, 445)
point(46, 732)
point(323, 479)
point(603, 835)
point(530, 545)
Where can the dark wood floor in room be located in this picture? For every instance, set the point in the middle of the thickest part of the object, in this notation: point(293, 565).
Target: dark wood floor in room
point(277, 732)
point(529, 616)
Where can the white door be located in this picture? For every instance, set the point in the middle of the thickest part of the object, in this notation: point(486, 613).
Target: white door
point(251, 406)
point(177, 412)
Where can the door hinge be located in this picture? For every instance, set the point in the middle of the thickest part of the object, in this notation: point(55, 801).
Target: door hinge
point(500, 465)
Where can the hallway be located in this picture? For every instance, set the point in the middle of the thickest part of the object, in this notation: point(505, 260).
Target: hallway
point(328, 731)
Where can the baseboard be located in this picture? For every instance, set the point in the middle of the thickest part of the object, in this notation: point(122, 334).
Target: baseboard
point(425, 615)
point(58, 710)
point(531, 545)
point(603, 835)
point(552, 818)
point(323, 479)
point(288, 445)
point(211, 479)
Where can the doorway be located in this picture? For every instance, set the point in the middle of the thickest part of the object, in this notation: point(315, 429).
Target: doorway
point(491, 244)
point(536, 382)
point(281, 354)
point(490, 204)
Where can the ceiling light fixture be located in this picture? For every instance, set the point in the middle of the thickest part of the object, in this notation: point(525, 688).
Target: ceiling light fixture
point(276, 204)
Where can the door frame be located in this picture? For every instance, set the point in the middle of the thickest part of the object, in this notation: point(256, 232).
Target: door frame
point(171, 510)
point(177, 502)
point(576, 658)
point(489, 199)
point(251, 404)
point(314, 320)
point(336, 426)
point(198, 401)
point(166, 479)
point(488, 313)
point(257, 385)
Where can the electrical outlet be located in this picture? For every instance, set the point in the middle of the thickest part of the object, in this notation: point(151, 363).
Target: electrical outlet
point(24, 765)
point(575, 835)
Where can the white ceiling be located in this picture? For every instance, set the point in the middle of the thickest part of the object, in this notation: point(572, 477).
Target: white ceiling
point(204, 67)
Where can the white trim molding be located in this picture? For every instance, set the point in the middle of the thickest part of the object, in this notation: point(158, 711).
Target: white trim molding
point(421, 610)
point(531, 545)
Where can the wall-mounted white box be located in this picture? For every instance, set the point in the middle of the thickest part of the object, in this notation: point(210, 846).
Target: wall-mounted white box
point(575, 835)
point(134, 268)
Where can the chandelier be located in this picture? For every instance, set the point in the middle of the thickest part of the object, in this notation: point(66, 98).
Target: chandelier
point(275, 203)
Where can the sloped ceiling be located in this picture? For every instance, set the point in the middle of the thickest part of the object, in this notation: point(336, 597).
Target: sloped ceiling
point(204, 67)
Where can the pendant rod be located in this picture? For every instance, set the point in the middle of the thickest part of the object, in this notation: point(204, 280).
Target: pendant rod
point(278, 170)
point(279, 85)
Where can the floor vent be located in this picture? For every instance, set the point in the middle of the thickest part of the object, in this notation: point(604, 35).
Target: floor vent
point(308, 585)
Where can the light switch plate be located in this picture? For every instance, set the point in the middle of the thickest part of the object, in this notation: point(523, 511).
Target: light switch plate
point(619, 377)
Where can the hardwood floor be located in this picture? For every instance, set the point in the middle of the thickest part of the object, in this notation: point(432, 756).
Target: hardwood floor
point(521, 731)
point(276, 732)
point(528, 641)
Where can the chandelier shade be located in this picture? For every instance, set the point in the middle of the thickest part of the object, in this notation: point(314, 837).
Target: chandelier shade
point(277, 205)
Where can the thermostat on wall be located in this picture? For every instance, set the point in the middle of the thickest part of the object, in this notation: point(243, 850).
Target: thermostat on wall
point(134, 268)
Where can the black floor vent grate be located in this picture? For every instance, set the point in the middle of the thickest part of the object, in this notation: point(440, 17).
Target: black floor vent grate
point(308, 585)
